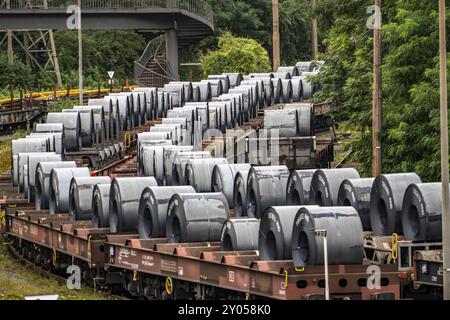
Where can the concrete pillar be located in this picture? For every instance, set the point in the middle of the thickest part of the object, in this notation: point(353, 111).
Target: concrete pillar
point(172, 53)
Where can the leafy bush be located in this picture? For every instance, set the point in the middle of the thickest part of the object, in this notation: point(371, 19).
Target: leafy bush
point(236, 54)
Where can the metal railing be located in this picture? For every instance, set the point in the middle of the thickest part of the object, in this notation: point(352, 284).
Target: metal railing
point(155, 48)
point(197, 7)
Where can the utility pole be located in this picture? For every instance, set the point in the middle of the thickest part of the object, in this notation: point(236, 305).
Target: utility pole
point(377, 101)
point(80, 54)
point(276, 35)
point(314, 34)
point(9, 35)
point(444, 150)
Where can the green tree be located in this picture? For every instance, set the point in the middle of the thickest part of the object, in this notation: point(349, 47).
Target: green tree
point(17, 75)
point(236, 54)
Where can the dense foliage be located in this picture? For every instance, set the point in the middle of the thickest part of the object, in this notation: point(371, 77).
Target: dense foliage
point(236, 54)
point(410, 81)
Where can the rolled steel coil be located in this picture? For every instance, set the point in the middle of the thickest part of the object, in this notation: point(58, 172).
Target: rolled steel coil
point(158, 160)
point(287, 91)
point(297, 89)
point(356, 193)
point(223, 177)
point(153, 210)
point(254, 102)
point(266, 186)
point(308, 87)
point(325, 185)
point(174, 129)
point(87, 125)
point(33, 162)
point(277, 90)
point(275, 233)
point(57, 129)
point(247, 102)
point(186, 133)
point(124, 110)
point(233, 109)
point(282, 122)
point(216, 87)
point(162, 105)
point(177, 91)
point(169, 154)
point(99, 123)
point(240, 235)
point(258, 92)
point(298, 187)
point(305, 118)
point(235, 79)
point(186, 113)
point(386, 202)
point(268, 91)
point(100, 205)
point(196, 217)
point(240, 193)
point(226, 83)
point(188, 89)
point(124, 201)
point(262, 75)
point(72, 128)
point(292, 71)
point(179, 164)
point(422, 212)
point(42, 181)
point(23, 146)
point(282, 75)
point(199, 172)
point(149, 95)
point(223, 116)
point(50, 136)
point(345, 236)
point(205, 91)
point(304, 66)
point(146, 165)
point(60, 179)
point(80, 196)
point(108, 112)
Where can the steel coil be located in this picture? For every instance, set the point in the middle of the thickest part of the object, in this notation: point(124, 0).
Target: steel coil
point(42, 181)
point(240, 235)
point(177, 92)
point(235, 79)
point(283, 123)
point(287, 91)
point(345, 236)
point(33, 162)
point(158, 160)
point(124, 202)
point(275, 233)
point(57, 129)
point(199, 172)
point(28, 145)
point(298, 187)
point(87, 125)
point(72, 128)
point(100, 205)
point(386, 202)
point(422, 212)
point(196, 217)
point(292, 71)
point(188, 90)
point(305, 118)
point(308, 87)
point(99, 122)
point(223, 177)
point(297, 89)
point(216, 87)
point(325, 185)
point(247, 102)
point(153, 210)
point(261, 75)
point(174, 129)
point(50, 136)
point(277, 90)
point(356, 193)
point(146, 165)
point(205, 91)
point(80, 196)
point(266, 186)
point(179, 164)
point(240, 193)
point(226, 83)
point(169, 154)
point(304, 66)
point(60, 179)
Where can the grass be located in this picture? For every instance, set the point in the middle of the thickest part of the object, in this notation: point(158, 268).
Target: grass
point(5, 150)
point(16, 282)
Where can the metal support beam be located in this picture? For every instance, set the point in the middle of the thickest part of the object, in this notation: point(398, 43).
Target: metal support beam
point(377, 114)
point(172, 53)
point(80, 53)
point(444, 149)
point(10, 39)
point(276, 35)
